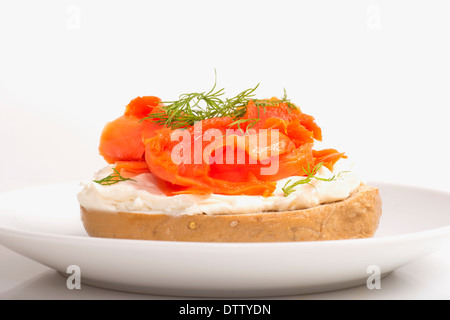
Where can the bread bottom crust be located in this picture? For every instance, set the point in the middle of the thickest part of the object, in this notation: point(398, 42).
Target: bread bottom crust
point(357, 216)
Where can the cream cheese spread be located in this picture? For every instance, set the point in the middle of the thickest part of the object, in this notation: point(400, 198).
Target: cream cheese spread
point(143, 195)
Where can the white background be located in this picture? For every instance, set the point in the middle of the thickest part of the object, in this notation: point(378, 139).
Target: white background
point(374, 74)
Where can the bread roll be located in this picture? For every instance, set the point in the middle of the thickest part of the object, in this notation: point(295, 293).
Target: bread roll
point(357, 216)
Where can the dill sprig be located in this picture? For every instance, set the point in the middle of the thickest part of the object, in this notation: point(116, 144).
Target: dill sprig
point(310, 175)
point(269, 102)
point(113, 178)
point(198, 106)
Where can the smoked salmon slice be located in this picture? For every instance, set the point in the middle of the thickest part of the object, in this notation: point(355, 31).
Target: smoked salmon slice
point(122, 139)
point(271, 141)
point(328, 157)
point(132, 166)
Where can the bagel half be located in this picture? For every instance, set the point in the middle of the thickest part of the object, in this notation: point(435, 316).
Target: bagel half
point(357, 216)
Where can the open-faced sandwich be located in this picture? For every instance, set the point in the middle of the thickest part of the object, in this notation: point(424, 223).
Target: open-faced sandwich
point(241, 169)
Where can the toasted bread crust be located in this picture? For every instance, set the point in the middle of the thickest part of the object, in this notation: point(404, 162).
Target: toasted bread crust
point(357, 216)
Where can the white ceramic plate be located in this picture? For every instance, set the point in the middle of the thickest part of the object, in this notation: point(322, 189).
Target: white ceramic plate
point(43, 224)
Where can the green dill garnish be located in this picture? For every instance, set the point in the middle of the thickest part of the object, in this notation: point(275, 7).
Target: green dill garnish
point(193, 107)
point(113, 178)
point(310, 175)
point(268, 102)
